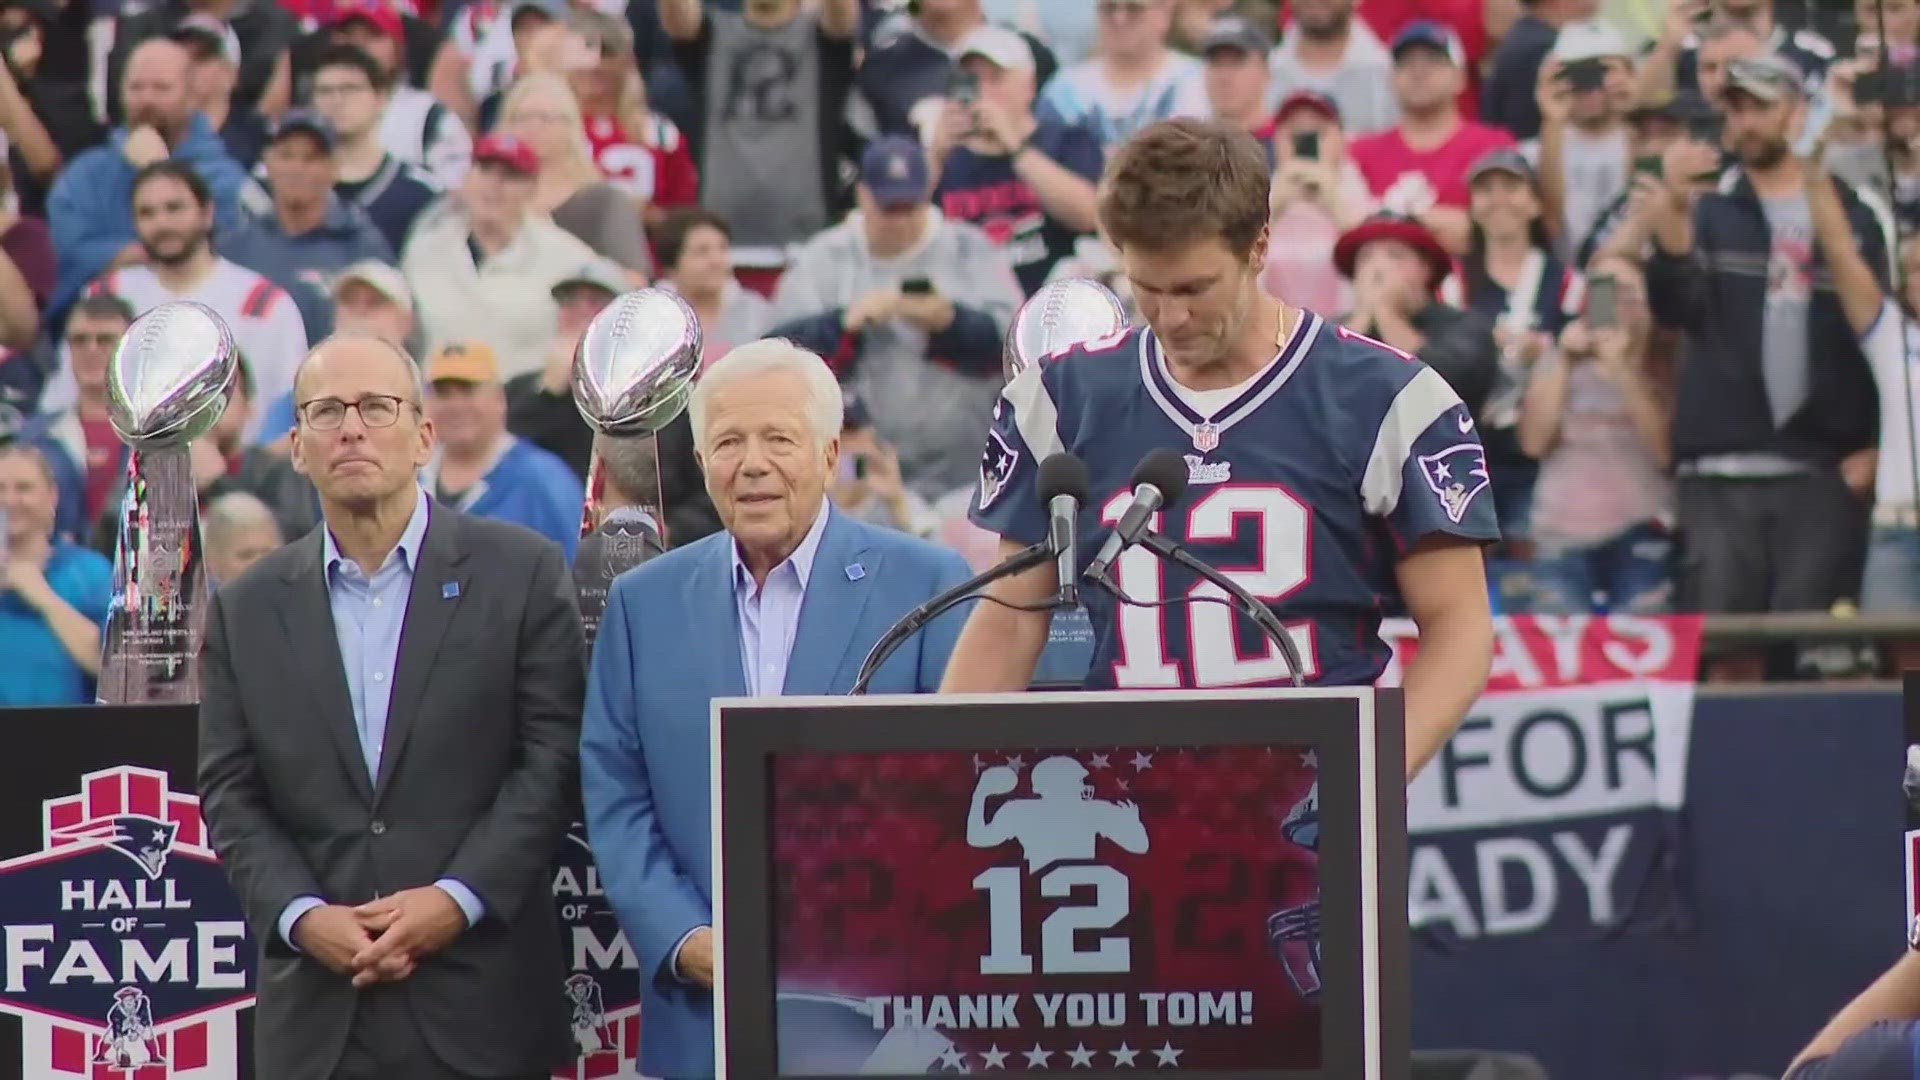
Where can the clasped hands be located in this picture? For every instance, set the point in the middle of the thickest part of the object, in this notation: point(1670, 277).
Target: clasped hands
point(384, 939)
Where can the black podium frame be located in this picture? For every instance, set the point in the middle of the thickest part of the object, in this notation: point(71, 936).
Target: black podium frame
point(1358, 734)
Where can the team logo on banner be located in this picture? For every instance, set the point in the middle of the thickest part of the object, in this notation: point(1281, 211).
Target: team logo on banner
point(602, 987)
point(126, 951)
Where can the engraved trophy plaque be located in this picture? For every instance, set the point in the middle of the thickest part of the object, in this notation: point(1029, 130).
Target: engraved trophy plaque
point(632, 375)
point(1062, 314)
point(169, 381)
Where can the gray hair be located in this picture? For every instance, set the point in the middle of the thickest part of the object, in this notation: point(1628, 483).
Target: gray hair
point(234, 513)
point(416, 379)
point(632, 467)
point(826, 409)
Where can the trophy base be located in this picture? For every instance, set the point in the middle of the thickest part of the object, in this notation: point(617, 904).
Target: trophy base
point(150, 653)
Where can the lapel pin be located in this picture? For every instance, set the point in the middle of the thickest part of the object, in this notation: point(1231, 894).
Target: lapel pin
point(449, 590)
point(856, 572)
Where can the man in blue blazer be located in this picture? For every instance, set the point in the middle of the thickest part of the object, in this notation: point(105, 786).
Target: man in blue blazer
point(787, 600)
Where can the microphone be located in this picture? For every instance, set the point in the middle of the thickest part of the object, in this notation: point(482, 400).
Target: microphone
point(1159, 480)
point(1238, 599)
point(1056, 473)
point(1063, 485)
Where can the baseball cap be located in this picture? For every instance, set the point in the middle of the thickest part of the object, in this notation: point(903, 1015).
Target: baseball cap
point(466, 361)
point(1307, 99)
point(214, 34)
point(386, 280)
point(509, 150)
point(1425, 33)
point(305, 121)
point(1770, 77)
point(374, 13)
point(894, 168)
point(552, 9)
point(1589, 40)
point(1234, 32)
point(999, 46)
point(1504, 160)
point(1385, 226)
point(599, 273)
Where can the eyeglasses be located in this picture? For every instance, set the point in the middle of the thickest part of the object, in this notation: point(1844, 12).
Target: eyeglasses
point(376, 411)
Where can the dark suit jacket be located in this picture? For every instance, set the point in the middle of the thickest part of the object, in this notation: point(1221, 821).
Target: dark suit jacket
point(478, 781)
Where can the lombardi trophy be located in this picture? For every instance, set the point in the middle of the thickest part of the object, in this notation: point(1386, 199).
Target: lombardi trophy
point(169, 381)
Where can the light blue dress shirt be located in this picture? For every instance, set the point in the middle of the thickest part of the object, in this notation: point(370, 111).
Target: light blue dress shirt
point(368, 615)
point(770, 614)
point(769, 620)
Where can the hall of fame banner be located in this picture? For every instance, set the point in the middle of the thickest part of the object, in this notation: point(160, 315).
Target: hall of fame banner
point(1554, 808)
point(1046, 908)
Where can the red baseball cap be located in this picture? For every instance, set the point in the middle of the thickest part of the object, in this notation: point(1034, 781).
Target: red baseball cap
point(375, 13)
point(1307, 99)
point(509, 150)
point(1385, 226)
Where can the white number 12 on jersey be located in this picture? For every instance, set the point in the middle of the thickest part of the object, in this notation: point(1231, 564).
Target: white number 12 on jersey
point(1283, 523)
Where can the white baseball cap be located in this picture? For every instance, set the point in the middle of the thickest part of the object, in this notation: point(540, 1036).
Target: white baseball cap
point(1002, 47)
point(378, 276)
point(1589, 40)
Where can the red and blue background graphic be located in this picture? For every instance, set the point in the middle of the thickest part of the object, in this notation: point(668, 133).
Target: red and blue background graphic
point(886, 897)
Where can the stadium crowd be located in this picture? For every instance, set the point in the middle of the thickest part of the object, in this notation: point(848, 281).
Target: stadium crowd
point(1658, 262)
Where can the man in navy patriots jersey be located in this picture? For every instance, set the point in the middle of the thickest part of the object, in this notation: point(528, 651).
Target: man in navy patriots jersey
point(1327, 471)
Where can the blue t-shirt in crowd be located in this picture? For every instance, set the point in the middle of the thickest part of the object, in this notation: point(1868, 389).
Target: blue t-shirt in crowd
point(38, 669)
point(986, 191)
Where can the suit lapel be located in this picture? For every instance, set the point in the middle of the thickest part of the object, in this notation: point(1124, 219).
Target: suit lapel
point(711, 589)
point(430, 611)
point(838, 586)
point(307, 617)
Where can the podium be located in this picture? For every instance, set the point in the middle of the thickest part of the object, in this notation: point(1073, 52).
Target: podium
point(1204, 883)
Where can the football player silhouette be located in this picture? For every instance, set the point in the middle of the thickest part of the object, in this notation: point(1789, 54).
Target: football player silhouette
point(1062, 823)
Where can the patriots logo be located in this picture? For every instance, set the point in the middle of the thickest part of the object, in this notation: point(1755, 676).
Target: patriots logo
point(996, 468)
point(147, 841)
point(1456, 474)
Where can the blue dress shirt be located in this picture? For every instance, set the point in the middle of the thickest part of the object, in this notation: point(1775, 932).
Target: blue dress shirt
point(770, 613)
point(368, 615)
point(769, 620)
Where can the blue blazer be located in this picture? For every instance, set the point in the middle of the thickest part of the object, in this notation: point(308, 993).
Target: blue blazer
point(669, 644)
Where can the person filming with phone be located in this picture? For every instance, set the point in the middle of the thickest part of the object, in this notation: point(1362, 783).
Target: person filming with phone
point(867, 483)
point(1774, 413)
point(1596, 415)
point(1317, 194)
point(1027, 182)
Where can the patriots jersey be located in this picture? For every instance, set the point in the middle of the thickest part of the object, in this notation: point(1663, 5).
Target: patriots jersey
point(1306, 485)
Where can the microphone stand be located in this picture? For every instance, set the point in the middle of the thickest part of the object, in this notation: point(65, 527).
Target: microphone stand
point(1238, 598)
point(911, 623)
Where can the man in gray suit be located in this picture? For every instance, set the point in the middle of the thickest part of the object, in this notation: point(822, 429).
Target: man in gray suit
point(389, 726)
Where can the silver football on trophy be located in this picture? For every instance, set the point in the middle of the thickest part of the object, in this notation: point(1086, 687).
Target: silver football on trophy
point(1064, 313)
point(171, 376)
point(634, 368)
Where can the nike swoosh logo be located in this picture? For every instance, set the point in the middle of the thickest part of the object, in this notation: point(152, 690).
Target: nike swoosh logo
point(1466, 424)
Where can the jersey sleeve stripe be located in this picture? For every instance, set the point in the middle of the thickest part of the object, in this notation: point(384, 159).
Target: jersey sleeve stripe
point(1424, 399)
point(1034, 415)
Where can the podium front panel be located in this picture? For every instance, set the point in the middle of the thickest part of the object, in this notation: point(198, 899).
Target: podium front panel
point(1208, 884)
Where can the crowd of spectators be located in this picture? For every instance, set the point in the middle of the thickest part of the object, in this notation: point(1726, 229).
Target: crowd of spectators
point(1662, 263)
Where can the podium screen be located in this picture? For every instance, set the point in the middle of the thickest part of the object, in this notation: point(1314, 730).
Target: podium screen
point(1051, 908)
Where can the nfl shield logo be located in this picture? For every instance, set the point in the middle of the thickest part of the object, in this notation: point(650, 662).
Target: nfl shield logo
point(1205, 437)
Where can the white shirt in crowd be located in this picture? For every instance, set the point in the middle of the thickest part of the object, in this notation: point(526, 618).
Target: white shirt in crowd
point(1081, 94)
point(1893, 361)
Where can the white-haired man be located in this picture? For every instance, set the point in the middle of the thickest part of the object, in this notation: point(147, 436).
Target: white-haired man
point(787, 600)
point(238, 530)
